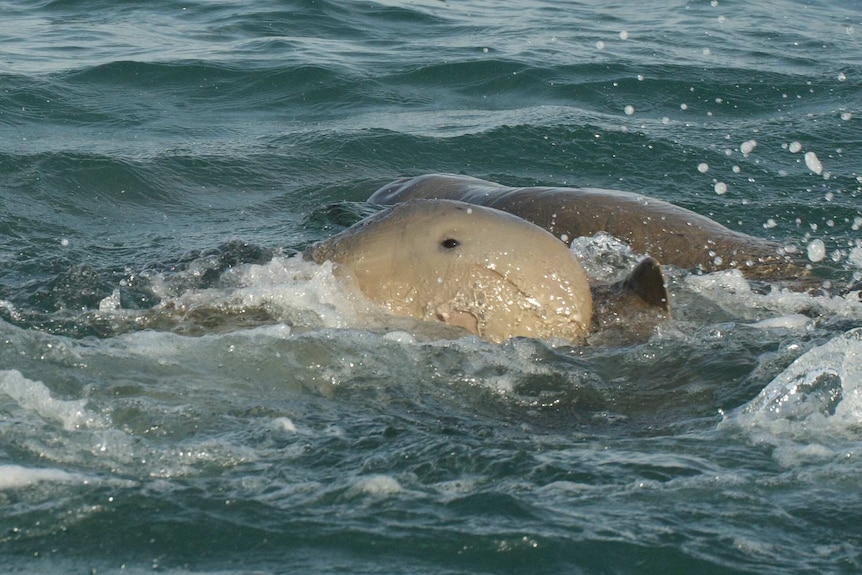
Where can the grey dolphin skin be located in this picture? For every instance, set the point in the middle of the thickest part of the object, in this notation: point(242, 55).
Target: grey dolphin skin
point(671, 234)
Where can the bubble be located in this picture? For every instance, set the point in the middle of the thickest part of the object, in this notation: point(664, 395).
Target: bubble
point(720, 188)
point(600, 45)
point(794, 147)
point(707, 51)
point(64, 242)
point(624, 35)
point(770, 223)
point(629, 110)
point(857, 223)
point(683, 106)
point(842, 76)
point(846, 116)
point(813, 163)
point(816, 250)
point(703, 167)
point(736, 169)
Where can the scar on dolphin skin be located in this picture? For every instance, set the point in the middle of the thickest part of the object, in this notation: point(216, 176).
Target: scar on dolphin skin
point(485, 270)
point(671, 234)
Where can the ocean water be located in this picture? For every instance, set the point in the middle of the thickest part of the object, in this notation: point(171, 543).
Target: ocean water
point(180, 395)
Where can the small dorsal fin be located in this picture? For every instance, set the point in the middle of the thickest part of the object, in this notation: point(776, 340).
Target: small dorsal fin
point(632, 306)
point(648, 283)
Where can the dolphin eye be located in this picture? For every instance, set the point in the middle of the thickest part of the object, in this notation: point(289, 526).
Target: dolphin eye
point(450, 243)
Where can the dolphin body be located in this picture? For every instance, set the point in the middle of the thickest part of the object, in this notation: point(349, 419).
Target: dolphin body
point(671, 234)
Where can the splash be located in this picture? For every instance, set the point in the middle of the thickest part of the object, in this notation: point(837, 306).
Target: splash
point(35, 396)
point(820, 391)
point(604, 257)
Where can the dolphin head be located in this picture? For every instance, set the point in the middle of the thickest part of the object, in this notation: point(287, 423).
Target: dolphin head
point(487, 271)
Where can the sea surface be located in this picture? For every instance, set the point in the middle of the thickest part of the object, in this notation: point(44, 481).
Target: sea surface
point(180, 393)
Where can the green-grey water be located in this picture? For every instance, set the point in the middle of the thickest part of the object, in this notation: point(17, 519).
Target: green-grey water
point(179, 395)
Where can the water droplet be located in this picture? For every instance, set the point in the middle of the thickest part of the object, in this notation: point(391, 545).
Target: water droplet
point(813, 163)
point(816, 250)
point(748, 146)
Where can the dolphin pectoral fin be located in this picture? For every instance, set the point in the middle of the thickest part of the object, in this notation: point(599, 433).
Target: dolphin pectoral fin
point(647, 282)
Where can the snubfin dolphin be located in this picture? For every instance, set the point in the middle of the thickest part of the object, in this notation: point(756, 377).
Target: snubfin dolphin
point(673, 235)
point(487, 271)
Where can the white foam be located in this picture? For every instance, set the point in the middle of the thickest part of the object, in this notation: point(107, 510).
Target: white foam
point(292, 288)
point(284, 424)
point(376, 485)
point(732, 292)
point(793, 321)
point(111, 302)
point(17, 476)
point(401, 337)
point(289, 290)
point(35, 396)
